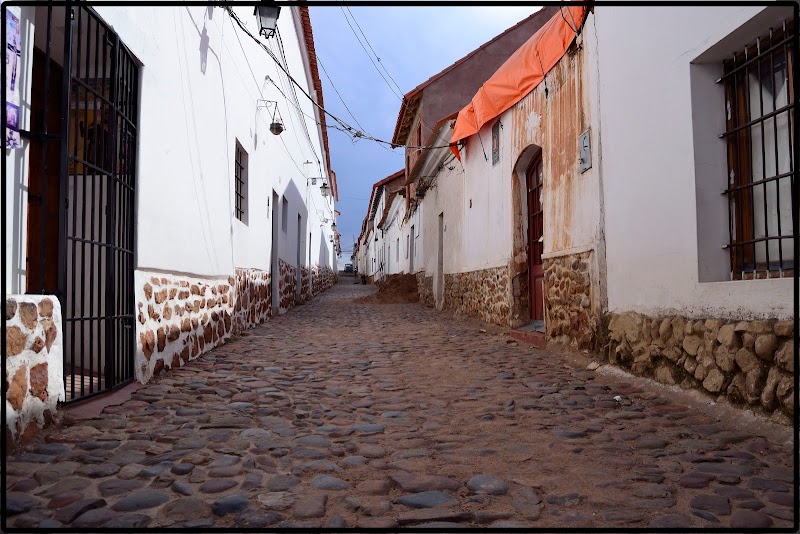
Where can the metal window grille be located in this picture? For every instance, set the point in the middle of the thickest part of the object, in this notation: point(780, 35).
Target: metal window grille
point(239, 178)
point(760, 110)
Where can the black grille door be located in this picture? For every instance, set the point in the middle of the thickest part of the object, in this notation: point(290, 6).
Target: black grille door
point(97, 241)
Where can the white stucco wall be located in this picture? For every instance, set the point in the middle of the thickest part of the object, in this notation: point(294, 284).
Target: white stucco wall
point(652, 161)
point(201, 79)
point(446, 198)
point(199, 94)
point(395, 230)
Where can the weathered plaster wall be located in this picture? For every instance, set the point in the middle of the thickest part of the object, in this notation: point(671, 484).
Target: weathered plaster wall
point(34, 362)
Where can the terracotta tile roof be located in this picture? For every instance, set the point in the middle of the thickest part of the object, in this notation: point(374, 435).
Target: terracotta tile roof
point(308, 35)
point(411, 97)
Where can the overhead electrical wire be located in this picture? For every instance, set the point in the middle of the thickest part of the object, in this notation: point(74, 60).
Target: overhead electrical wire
point(400, 96)
point(325, 71)
point(297, 100)
point(345, 126)
point(373, 50)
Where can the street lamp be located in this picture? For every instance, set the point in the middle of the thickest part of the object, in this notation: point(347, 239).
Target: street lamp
point(333, 227)
point(267, 15)
point(325, 190)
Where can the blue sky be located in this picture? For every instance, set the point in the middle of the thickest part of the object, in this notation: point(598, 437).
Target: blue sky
point(413, 43)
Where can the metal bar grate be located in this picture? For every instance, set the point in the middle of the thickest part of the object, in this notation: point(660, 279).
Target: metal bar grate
point(97, 188)
point(239, 179)
point(760, 108)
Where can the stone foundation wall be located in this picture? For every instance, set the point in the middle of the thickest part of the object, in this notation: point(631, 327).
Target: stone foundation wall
point(485, 294)
point(322, 278)
point(34, 364)
point(569, 315)
point(305, 284)
point(253, 298)
point(287, 285)
point(179, 318)
point(425, 288)
point(749, 363)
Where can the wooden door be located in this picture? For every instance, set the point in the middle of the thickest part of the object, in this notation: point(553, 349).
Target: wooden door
point(535, 241)
point(43, 175)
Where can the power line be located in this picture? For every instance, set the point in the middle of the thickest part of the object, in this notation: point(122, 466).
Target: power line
point(400, 96)
point(373, 50)
point(350, 130)
point(325, 71)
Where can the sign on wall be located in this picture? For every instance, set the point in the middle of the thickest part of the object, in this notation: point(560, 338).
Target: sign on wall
point(495, 143)
point(12, 81)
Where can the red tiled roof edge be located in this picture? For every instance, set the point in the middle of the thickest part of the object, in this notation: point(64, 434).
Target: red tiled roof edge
point(308, 35)
point(412, 93)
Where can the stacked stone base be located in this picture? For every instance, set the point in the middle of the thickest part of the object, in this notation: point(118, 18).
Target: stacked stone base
point(253, 298)
point(425, 288)
point(305, 284)
point(322, 278)
point(179, 318)
point(749, 363)
point(288, 286)
point(569, 316)
point(34, 361)
point(485, 294)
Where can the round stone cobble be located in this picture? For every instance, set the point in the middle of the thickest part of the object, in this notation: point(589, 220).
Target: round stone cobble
point(344, 413)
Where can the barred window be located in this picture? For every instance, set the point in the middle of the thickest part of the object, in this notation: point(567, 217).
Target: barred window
point(760, 108)
point(240, 180)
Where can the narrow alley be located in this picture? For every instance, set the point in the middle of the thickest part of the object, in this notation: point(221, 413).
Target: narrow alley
point(343, 413)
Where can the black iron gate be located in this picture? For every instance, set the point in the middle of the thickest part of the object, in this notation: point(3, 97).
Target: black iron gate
point(97, 108)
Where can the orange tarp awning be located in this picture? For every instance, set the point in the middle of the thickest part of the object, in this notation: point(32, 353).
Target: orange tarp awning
point(520, 74)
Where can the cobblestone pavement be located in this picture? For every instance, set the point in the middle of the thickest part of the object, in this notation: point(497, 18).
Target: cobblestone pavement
point(351, 414)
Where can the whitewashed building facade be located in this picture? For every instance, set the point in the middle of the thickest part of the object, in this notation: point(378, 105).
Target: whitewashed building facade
point(637, 202)
point(176, 211)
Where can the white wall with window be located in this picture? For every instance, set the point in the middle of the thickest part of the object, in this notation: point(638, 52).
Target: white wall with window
point(208, 162)
point(667, 161)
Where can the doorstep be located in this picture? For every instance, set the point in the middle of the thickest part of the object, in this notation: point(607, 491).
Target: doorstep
point(93, 407)
point(529, 335)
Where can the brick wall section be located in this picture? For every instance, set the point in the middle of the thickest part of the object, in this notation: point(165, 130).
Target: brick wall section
point(34, 362)
point(485, 294)
point(425, 287)
point(569, 316)
point(749, 363)
point(179, 318)
point(287, 285)
point(253, 298)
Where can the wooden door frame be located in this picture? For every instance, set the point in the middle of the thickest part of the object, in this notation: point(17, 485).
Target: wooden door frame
point(530, 201)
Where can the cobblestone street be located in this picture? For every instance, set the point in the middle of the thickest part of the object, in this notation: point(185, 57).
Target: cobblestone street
point(342, 413)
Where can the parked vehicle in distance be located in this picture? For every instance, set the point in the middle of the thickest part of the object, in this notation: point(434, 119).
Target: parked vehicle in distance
point(348, 267)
